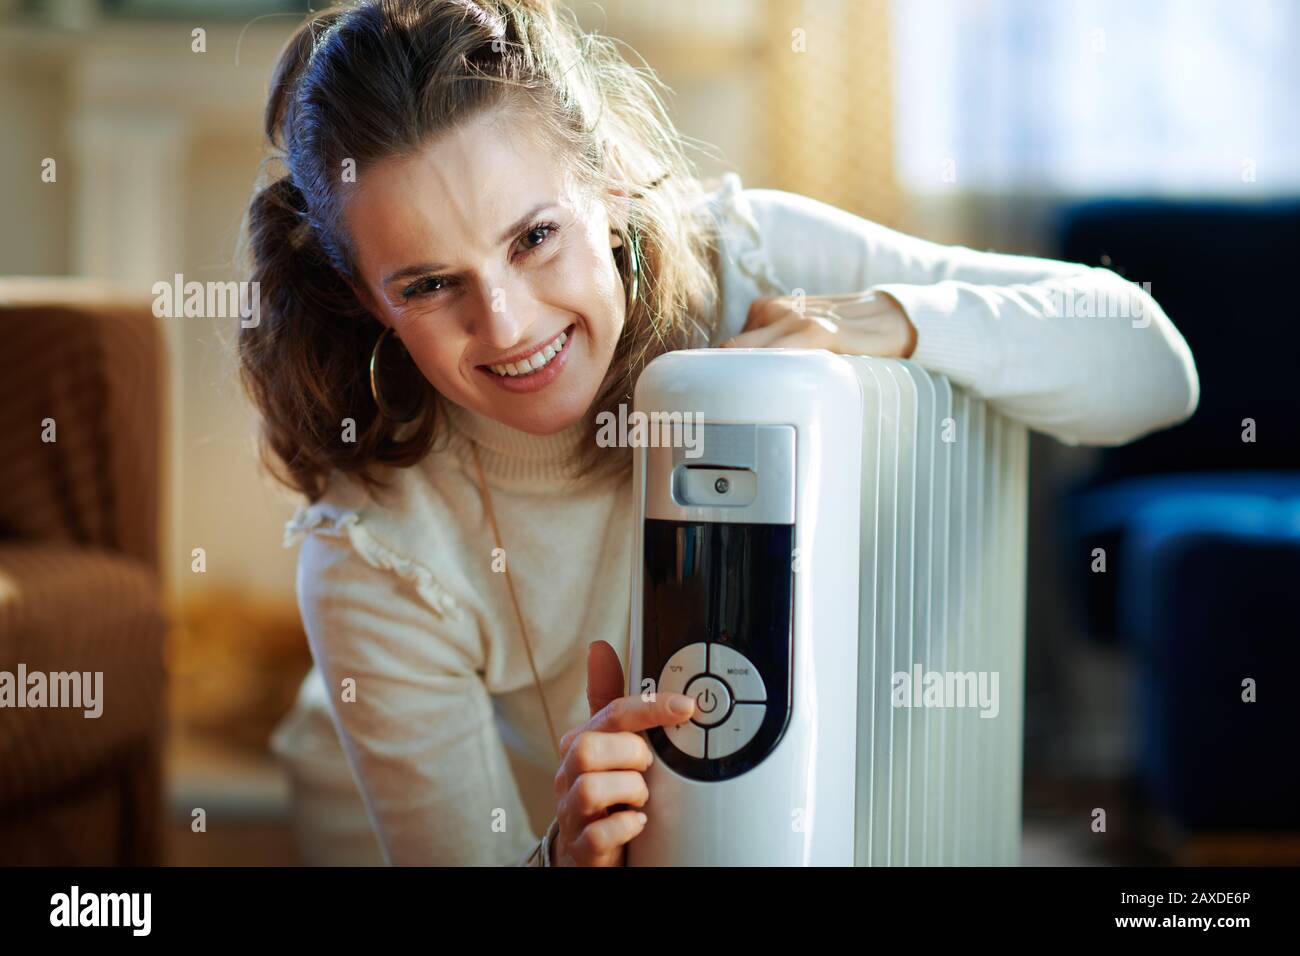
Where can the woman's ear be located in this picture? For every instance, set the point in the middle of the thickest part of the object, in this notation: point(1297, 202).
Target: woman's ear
point(617, 206)
point(363, 296)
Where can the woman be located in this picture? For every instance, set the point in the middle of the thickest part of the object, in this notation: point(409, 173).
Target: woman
point(486, 230)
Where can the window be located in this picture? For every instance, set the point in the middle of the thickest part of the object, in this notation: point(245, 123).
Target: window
point(1098, 96)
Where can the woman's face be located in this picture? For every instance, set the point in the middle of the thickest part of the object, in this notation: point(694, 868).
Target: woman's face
point(479, 251)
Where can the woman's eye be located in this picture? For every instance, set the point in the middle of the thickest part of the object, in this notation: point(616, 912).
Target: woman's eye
point(424, 286)
point(431, 285)
point(536, 236)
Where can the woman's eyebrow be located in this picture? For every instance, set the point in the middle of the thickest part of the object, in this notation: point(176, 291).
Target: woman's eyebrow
point(508, 233)
point(523, 220)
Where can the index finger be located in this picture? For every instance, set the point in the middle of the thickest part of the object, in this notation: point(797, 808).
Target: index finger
point(633, 713)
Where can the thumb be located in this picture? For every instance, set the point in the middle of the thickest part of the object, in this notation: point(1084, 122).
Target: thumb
point(604, 675)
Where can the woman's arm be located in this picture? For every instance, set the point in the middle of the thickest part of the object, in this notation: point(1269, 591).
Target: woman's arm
point(1077, 352)
point(418, 727)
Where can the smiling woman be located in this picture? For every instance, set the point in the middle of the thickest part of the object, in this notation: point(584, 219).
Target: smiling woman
point(521, 236)
point(477, 192)
point(492, 287)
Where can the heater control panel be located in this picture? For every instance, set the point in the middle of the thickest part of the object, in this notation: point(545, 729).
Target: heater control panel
point(730, 699)
point(717, 625)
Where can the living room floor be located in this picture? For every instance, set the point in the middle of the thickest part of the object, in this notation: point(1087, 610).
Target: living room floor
point(246, 802)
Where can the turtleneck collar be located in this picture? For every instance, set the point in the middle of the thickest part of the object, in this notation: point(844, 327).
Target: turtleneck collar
point(510, 454)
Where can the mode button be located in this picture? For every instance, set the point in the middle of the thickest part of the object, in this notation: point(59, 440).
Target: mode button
point(738, 671)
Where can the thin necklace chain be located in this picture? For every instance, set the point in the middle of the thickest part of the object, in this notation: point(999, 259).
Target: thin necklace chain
point(519, 614)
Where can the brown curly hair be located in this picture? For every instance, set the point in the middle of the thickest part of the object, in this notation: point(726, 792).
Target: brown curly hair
point(380, 78)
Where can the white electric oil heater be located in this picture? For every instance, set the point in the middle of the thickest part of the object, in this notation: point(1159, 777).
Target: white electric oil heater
point(830, 557)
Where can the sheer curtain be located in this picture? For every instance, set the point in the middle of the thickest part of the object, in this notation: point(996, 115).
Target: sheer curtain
point(1086, 96)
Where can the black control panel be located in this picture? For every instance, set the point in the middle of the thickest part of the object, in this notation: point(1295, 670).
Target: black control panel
point(718, 618)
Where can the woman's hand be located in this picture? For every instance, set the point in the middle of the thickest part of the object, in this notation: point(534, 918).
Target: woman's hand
point(599, 784)
point(854, 323)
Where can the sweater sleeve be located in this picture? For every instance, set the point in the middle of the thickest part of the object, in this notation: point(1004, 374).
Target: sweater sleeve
point(1074, 351)
point(415, 719)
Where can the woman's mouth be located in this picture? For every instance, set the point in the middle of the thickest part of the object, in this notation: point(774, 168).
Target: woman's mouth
point(536, 370)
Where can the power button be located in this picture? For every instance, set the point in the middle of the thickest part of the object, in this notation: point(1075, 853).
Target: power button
point(712, 700)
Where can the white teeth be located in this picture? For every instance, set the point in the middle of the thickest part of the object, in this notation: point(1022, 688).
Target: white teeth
point(535, 361)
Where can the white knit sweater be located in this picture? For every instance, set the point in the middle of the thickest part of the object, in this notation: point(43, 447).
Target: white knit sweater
point(445, 750)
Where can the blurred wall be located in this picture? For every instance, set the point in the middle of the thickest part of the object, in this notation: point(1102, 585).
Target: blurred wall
point(156, 148)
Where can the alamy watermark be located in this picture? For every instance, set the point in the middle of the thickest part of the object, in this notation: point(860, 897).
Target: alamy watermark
point(77, 689)
point(208, 300)
point(651, 430)
point(944, 689)
point(133, 911)
point(1127, 302)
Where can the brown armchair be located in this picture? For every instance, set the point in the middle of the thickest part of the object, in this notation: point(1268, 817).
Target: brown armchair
point(79, 583)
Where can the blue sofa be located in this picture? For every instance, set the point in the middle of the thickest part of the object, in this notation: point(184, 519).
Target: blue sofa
point(1202, 529)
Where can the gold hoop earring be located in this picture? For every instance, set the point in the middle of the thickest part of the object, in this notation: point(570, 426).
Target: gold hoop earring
point(406, 408)
point(632, 252)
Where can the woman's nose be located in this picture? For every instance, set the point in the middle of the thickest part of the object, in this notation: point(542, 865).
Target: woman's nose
point(505, 314)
